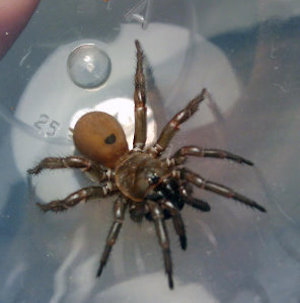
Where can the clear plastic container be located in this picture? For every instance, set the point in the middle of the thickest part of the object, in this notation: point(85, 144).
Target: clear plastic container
point(245, 54)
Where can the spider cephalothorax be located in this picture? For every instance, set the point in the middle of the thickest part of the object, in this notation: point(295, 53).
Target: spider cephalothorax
point(148, 185)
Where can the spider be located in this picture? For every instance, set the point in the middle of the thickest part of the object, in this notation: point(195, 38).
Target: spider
point(144, 183)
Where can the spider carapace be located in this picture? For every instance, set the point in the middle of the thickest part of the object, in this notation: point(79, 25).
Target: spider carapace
point(145, 183)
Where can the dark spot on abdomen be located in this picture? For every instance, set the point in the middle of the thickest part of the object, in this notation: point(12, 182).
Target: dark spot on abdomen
point(111, 139)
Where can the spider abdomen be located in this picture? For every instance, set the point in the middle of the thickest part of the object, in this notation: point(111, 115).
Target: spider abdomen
point(135, 172)
point(100, 137)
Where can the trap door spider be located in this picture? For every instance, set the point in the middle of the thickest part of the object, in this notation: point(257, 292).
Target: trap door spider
point(145, 184)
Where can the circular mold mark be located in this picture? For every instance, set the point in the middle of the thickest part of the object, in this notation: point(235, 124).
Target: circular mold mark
point(88, 66)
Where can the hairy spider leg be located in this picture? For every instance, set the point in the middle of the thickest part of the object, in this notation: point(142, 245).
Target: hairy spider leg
point(84, 194)
point(95, 170)
point(102, 173)
point(61, 162)
point(180, 156)
point(163, 239)
point(172, 126)
point(177, 222)
point(140, 110)
point(119, 213)
point(219, 189)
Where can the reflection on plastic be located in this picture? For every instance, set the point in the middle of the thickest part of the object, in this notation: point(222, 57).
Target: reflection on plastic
point(151, 288)
point(62, 274)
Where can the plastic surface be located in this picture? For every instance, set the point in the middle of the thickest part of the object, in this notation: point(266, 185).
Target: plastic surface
point(246, 54)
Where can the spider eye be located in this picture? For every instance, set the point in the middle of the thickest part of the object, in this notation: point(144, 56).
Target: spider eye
point(153, 179)
point(111, 139)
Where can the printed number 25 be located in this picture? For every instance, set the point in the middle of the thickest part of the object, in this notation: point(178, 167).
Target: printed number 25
point(46, 125)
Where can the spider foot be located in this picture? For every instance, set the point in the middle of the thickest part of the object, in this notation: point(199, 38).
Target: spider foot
point(100, 269)
point(170, 281)
point(189, 110)
point(54, 206)
point(249, 202)
point(183, 242)
point(42, 207)
point(244, 161)
point(261, 208)
point(34, 171)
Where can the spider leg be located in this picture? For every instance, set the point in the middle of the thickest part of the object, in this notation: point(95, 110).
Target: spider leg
point(140, 111)
point(163, 239)
point(62, 162)
point(83, 194)
point(177, 222)
point(119, 212)
point(180, 156)
point(96, 170)
point(216, 188)
point(173, 125)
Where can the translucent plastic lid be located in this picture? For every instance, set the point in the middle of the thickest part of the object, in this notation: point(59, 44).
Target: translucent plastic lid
point(79, 56)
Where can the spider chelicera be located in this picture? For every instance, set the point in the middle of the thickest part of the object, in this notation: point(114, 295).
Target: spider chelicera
point(143, 182)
